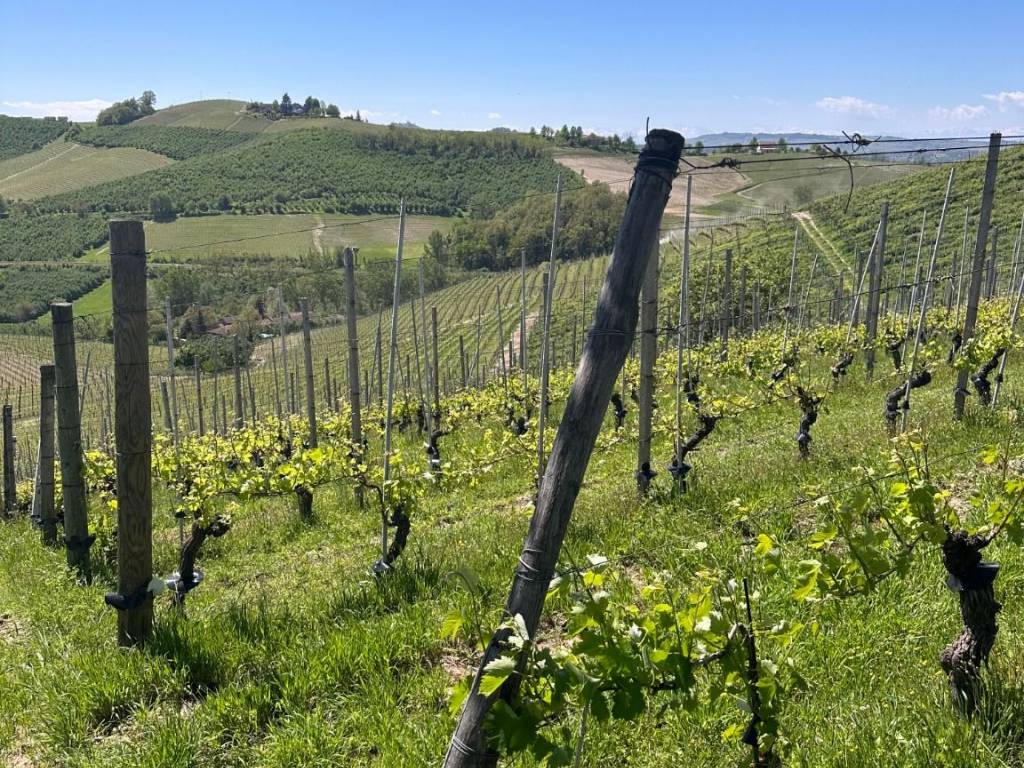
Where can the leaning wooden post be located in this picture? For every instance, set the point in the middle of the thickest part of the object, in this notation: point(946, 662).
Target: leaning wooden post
point(133, 432)
point(69, 439)
point(605, 351)
point(648, 356)
point(988, 194)
point(236, 364)
point(9, 484)
point(354, 395)
point(307, 359)
point(44, 474)
point(877, 260)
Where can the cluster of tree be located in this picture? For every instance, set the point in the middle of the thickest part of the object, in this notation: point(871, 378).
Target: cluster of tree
point(311, 107)
point(129, 110)
point(336, 171)
point(589, 222)
point(48, 237)
point(19, 135)
point(26, 290)
point(216, 353)
point(574, 136)
point(174, 142)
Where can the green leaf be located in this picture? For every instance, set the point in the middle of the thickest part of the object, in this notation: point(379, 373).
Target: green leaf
point(496, 673)
point(459, 694)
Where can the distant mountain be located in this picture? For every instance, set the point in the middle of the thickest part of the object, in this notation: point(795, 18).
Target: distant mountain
point(925, 151)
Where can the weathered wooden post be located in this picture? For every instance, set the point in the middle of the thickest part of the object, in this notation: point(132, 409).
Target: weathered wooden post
point(170, 369)
point(69, 439)
point(877, 258)
point(307, 359)
point(462, 362)
point(726, 308)
point(8, 456)
point(605, 351)
point(988, 194)
point(289, 392)
point(44, 474)
point(992, 263)
point(352, 326)
point(133, 433)
point(165, 403)
point(436, 366)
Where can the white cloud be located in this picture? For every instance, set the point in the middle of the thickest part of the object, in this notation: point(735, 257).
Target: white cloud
point(78, 111)
point(851, 105)
point(959, 114)
point(494, 115)
point(435, 112)
point(1006, 98)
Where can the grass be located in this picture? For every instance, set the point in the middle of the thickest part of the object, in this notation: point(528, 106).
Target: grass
point(794, 181)
point(293, 655)
point(375, 239)
point(62, 166)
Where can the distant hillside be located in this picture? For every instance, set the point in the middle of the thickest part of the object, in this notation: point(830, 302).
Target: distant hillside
point(926, 150)
point(19, 135)
point(224, 114)
point(338, 171)
point(177, 143)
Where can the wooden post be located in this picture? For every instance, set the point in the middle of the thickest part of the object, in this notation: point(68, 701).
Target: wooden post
point(428, 373)
point(328, 400)
point(132, 421)
point(236, 363)
point(648, 355)
point(789, 300)
point(252, 394)
point(353, 356)
point(165, 402)
point(605, 351)
point(69, 438)
point(289, 394)
point(8, 448)
point(877, 258)
point(277, 382)
point(199, 399)
point(992, 274)
point(522, 322)
point(462, 362)
point(44, 473)
point(386, 557)
point(170, 370)
point(741, 316)
point(988, 194)
point(501, 347)
point(307, 358)
point(683, 332)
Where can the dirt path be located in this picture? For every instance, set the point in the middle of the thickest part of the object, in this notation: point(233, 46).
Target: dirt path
point(318, 233)
point(824, 244)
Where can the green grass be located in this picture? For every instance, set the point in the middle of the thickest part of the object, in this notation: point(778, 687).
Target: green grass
point(292, 655)
point(375, 239)
point(223, 114)
point(62, 166)
point(792, 180)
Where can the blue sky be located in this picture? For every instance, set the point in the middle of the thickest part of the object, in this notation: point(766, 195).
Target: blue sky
point(934, 68)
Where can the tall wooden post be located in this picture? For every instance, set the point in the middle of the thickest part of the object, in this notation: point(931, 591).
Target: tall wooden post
point(741, 313)
point(69, 438)
point(683, 332)
point(545, 365)
point(132, 422)
point(648, 355)
point(307, 359)
point(992, 274)
point(877, 257)
point(44, 474)
point(353, 354)
point(436, 366)
point(988, 194)
point(727, 300)
point(522, 321)
point(462, 362)
point(386, 557)
point(603, 356)
point(8, 457)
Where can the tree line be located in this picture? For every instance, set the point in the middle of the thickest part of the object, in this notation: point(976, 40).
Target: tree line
point(574, 136)
point(129, 110)
point(285, 107)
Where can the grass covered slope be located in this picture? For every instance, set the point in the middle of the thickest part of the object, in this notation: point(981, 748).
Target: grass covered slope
point(64, 166)
point(218, 114)
point(340, 171)
point(19, 135)
point(924, 191)
point(291, 654)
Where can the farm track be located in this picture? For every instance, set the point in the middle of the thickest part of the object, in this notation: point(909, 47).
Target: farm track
point(824, 244)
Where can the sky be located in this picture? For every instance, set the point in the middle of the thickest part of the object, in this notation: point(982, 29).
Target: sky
point(897, 68)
